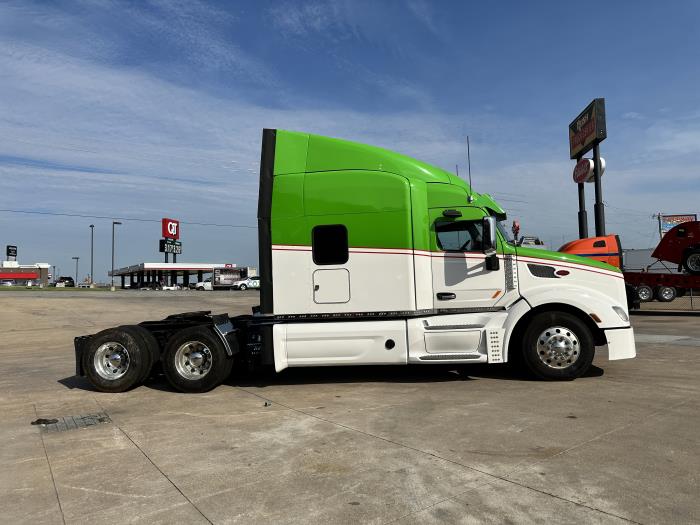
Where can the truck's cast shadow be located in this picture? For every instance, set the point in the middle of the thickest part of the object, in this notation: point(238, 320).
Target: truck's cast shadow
point(352, 374)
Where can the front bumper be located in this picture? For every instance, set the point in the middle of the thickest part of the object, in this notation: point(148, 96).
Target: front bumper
point(620, 343)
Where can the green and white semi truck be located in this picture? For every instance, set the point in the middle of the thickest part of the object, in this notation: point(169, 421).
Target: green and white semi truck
point(370, 257)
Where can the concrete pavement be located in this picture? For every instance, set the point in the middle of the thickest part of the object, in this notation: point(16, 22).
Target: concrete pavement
point(343, 445)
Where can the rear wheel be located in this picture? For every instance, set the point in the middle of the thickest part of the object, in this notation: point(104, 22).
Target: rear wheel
point(691, 261)
point(117, 359)
point(645, 293)
point(666, 294)
point(195, 360)
point(243, 287)
point(558, 346)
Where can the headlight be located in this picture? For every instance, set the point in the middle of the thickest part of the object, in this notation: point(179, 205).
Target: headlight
point(621, 312)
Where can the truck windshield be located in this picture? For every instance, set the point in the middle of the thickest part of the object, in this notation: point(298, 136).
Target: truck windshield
point(504, 231)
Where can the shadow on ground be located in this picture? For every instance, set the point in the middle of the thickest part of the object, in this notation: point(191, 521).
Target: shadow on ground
point(352, 374)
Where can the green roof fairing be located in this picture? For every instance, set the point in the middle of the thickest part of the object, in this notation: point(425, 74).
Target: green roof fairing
point(322, 180)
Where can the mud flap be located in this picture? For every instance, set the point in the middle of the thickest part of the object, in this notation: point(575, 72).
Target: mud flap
point(620, 343)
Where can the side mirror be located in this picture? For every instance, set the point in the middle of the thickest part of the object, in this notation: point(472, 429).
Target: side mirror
point(488, 235)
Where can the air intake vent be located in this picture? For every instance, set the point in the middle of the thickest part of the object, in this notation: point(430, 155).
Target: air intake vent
point(541, 270)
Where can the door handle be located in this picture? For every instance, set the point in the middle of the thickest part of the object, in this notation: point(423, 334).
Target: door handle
point(316, 288)
point(446, 296)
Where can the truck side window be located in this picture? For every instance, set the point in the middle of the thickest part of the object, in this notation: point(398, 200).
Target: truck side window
point(329, 244)
point(459, 236)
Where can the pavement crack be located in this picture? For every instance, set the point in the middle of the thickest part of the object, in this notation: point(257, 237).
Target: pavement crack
point(48, 462)
point(155, 466)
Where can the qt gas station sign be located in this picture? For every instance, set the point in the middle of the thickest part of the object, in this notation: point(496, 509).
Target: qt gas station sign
point(170, 228)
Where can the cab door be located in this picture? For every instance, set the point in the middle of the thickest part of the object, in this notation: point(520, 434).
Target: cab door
point(461, 274)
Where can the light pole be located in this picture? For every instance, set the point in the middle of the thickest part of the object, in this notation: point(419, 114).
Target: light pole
point(76, 269)
point(114, 223)
point(92, 253)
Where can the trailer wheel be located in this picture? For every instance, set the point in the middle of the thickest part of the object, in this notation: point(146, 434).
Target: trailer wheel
point(666, 294)
point(645, 293)
point(691, 261)
point(195, 360)
point(558, 346)
point(117, 359)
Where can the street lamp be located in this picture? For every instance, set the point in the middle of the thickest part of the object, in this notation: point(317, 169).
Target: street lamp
point(92, 253)
point(76, 269)
point(114, 223)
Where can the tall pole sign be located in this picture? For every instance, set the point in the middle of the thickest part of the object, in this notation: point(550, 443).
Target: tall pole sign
point(11, 252)
point(170, 228)
point(586, 132)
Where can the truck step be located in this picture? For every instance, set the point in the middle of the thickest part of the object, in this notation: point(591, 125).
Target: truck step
point(426, 326)
point(450, 357)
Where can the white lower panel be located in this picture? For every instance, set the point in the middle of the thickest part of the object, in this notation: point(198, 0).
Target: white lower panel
point(620, 344)
point(351, 343)
point(378, 281)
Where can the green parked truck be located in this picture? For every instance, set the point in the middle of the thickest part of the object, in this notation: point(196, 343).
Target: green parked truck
point(370, 257)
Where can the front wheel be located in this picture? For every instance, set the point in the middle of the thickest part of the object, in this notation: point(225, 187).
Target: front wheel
point(558, 346)
point(195, 360)
point(691, 261)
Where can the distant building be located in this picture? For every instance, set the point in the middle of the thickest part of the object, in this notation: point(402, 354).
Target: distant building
point(11, 272)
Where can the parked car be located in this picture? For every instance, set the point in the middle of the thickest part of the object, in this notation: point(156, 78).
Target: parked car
point(171, 287)
point(204, 285)
point(7, 283)
point(244, 284)
point(65, 282)
point(83, 285)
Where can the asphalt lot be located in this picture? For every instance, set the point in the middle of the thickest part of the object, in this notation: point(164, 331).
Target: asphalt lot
point(351, 445)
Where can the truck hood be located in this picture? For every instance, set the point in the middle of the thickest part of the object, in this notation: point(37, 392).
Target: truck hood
point(563, 257)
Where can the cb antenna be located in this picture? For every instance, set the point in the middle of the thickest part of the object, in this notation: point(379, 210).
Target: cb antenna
point(469, 168)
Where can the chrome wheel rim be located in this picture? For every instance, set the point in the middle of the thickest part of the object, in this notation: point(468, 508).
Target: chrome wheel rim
point(666, 293)
point(111, 360)
point(193, 360)
point(558, 347)
point(694, 262)
point(644, 293)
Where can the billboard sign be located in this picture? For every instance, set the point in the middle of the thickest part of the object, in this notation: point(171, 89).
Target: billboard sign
point(170, 246)
point(588, 128)
point(667, 222)
point(170, 228)
point(11, 251)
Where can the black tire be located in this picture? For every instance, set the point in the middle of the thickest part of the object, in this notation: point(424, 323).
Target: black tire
point(559, 326)
point(666, 294)
point(242, 287)
point(645, 293)
point(691, 261)
point(217, 364)
point(132, 349)
point(151, 346)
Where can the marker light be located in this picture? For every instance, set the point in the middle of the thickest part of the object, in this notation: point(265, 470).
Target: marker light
point(621, 312)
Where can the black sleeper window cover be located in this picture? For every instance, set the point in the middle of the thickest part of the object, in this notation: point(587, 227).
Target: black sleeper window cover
point(329, 244)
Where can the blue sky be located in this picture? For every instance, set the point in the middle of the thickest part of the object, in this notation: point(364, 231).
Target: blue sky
point(152, 109)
